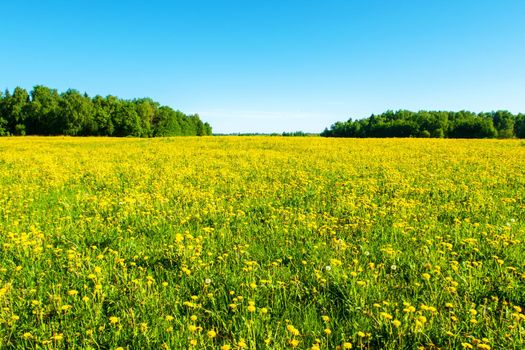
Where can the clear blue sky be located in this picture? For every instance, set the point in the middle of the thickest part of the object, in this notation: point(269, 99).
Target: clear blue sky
point(273, 65)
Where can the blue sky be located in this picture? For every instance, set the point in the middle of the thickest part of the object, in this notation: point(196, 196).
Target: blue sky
point(273, 65)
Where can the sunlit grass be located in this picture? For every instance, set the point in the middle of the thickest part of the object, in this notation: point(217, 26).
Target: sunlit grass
point(261, 242)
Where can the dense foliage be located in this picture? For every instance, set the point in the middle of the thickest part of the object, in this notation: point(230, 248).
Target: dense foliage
point(403, 123)
point(44, 111)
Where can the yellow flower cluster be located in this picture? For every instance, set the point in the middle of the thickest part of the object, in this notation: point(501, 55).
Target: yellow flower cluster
point(261, 242)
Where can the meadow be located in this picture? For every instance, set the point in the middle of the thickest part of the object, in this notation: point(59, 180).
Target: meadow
point(261, 243)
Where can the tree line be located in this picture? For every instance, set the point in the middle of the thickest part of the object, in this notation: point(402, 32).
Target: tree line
point(44, 111)
point(403, 123)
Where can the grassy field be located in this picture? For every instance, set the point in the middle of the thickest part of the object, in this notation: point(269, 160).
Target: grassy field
point(261, 243)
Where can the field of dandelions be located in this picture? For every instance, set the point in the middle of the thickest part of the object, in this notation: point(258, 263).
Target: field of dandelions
point(261, 243)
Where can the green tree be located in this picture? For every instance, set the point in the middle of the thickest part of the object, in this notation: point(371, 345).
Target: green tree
point(473, 127)
point(403, 123)
point(207, 129)
point(504, 124)
point(519, 126)
point(44, 111)
point(14, 111)
point(146, 109)
point(44, 116)
point(3, 120)
point(102, 117)
point(76, 114)
point(167, 122)
point(126, 120)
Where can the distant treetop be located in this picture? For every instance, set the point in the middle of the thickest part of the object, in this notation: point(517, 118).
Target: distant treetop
point(403, 123)
point(43, 111)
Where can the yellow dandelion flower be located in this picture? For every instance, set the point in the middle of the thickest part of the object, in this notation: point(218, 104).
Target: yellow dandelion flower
point(386, 315)
point(409, 309)
point(241, 344)
point(292, 330)
point(293, 343)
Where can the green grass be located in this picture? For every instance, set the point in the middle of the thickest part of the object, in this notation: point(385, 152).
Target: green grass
point(149, 233)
